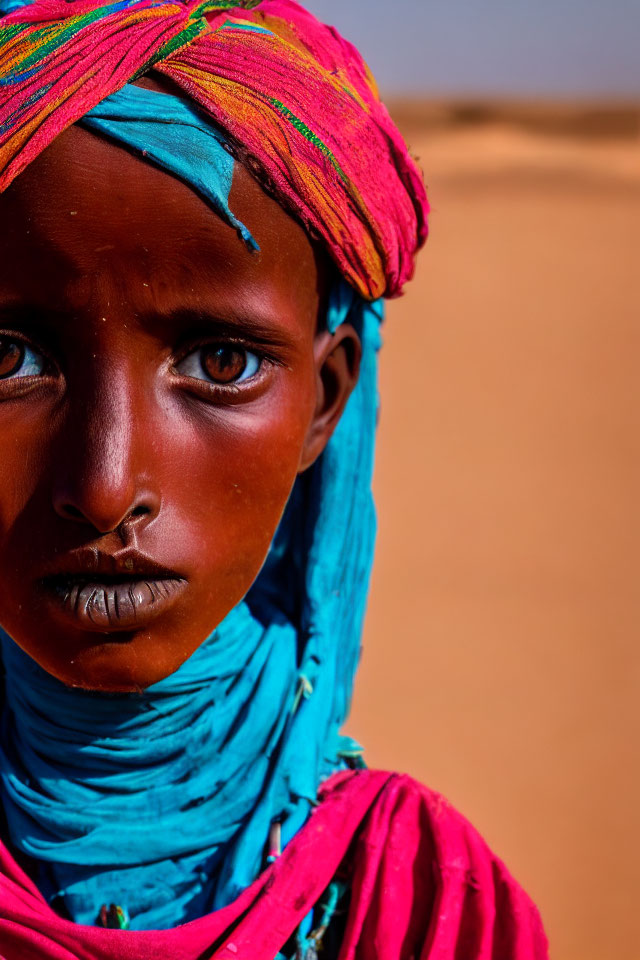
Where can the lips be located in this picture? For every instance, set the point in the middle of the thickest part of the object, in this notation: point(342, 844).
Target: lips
point(111, 592)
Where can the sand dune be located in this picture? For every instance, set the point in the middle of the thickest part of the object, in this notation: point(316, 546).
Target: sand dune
point(501, 662)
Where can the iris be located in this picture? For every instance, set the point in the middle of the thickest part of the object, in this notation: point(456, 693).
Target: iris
point(220, 363)
point(17, 359)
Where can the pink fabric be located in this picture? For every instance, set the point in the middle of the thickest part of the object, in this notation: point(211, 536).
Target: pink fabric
point(424, 885)
point(297, 101)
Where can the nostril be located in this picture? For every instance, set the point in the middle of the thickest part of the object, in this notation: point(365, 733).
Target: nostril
point(71, 512)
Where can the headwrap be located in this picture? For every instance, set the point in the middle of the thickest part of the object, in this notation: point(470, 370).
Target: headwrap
point(297, 101)
point(164, 802)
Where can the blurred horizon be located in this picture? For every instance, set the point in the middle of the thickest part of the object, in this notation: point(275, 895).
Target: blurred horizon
point(500, 661)
point(571, 50)
point(500, 657)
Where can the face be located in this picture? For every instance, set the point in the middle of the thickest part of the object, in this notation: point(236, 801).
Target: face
point(161, 387)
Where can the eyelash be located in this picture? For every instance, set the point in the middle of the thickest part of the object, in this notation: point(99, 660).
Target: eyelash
point(29, 354)
point(253, 359)
point(207, 389)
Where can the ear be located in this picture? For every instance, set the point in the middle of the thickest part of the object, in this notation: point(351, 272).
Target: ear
point(337, 361)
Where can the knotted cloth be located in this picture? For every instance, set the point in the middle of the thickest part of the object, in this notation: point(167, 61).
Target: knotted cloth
point(297, 101)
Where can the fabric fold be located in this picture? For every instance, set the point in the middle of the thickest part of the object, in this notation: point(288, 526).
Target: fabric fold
point(450, 896)
point(290, 94)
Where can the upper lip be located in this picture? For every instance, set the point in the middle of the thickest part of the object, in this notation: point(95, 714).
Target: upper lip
point(127, 563)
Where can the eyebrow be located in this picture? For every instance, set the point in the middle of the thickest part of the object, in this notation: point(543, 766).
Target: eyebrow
point(27, 312)
point(32, 318)
point(261, 328)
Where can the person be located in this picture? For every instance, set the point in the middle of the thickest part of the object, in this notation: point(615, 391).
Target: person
point(202, 206)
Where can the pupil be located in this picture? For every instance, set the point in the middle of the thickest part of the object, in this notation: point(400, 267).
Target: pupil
point(11, 357)
point(224, 364)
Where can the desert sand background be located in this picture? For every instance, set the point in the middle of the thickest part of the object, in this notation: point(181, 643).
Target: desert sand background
point(501, 660)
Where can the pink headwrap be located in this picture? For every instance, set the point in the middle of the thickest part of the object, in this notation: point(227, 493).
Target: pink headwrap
point(297, 101)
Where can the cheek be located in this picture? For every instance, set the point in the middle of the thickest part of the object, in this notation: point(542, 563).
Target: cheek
point(223, 475)
point(232, 472)
point(25, 433)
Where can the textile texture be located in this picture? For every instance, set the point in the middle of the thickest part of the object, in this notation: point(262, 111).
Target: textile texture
point(297, 101)
point(424, 885)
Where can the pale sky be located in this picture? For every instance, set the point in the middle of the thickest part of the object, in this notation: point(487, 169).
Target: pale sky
point(519, 47)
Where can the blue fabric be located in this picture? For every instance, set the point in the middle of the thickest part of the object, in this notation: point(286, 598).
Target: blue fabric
point(8, 6)
point(172, 134)
point(162, 802)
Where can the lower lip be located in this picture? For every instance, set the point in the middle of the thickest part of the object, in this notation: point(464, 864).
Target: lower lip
point(105, 607)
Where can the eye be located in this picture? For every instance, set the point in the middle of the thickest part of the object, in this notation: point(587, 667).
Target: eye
point(222, 363)
point(17, 359)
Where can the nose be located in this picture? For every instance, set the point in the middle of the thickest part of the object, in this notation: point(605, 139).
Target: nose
point(102, 477)
point(101, 520)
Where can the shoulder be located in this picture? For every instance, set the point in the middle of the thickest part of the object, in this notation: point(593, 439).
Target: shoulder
point(430, 878)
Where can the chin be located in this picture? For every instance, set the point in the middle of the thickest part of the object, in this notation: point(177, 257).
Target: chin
point(117, 663)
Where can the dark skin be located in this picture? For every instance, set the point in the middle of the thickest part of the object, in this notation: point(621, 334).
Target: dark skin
point(161, 388)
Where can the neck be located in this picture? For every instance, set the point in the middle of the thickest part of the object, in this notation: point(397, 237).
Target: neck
point(131, 798)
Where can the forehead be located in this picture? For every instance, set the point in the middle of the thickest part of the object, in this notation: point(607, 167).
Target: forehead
point(87, 205)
